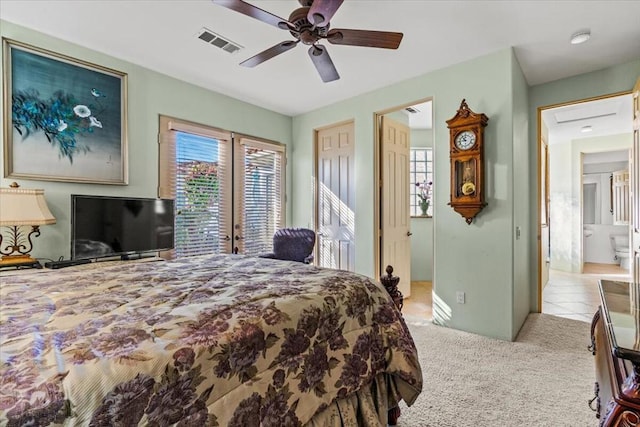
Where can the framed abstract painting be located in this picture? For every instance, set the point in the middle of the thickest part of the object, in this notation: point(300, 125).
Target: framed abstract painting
point(65, 119)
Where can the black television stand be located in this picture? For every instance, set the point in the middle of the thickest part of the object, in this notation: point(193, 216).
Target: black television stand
point(66, 263)
point(131, 257)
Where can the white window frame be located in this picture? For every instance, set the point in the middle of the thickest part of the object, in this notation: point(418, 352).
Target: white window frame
point(414, 176)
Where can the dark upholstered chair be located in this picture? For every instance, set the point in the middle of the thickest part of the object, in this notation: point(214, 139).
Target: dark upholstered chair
point(293, 244)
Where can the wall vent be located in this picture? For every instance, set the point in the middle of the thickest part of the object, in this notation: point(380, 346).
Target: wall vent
point(412, 110)
point(217, 40)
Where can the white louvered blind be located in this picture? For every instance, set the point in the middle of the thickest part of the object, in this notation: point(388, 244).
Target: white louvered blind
point(259, 194)
point(195, 170)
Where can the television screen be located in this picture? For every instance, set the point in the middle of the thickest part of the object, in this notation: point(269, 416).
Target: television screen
point(106, 226)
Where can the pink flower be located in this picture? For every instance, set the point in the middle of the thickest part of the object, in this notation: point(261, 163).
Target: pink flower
point(425, 190)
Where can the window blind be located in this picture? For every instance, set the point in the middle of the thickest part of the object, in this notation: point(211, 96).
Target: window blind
point(195, 170)
point(260, 194)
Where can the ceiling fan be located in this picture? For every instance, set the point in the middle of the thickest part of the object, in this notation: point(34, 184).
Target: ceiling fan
point(310, 24)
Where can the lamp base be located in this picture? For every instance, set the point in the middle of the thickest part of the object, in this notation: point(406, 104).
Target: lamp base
point(19, 261)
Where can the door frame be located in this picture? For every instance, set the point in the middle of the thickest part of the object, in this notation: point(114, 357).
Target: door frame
point(377, 180)
point(539, 257)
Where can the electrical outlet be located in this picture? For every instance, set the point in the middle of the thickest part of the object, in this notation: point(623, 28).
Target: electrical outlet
point(460, 297)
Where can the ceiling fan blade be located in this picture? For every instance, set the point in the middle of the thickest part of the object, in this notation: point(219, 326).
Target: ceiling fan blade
point(381, 39)
point(254, 12)
point(323, 63)
point(269, 53)
point(321, 11)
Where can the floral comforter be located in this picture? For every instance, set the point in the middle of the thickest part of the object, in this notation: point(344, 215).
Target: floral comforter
point(216, 340)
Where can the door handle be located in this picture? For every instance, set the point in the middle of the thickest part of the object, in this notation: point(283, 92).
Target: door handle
point(409, 233)
point(226, 238)
point(239, 237)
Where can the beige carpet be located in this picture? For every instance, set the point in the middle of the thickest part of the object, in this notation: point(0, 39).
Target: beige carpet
point(543, 379)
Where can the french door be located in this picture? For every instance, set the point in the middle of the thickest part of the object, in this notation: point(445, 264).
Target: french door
point(228, 188)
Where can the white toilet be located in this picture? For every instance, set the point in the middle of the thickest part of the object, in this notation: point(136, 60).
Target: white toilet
point(620, 243)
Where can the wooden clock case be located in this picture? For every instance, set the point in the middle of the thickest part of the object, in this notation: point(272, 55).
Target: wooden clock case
point(467, 165)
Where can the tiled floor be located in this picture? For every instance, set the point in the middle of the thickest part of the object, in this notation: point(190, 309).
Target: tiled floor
point(566, 295)
point(576, 295)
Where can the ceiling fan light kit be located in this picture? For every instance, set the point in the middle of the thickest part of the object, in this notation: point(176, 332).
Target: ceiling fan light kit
point(309, 24)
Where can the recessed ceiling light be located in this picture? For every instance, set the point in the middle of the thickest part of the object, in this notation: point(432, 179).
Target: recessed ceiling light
point(580, 37)
point(586, 129)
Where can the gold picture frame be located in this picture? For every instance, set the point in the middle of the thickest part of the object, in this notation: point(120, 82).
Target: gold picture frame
point(65, 119)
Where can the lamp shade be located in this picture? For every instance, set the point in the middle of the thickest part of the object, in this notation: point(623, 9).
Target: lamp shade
point(22, 206)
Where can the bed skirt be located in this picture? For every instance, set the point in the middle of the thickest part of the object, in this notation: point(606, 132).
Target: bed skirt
point(369, 406)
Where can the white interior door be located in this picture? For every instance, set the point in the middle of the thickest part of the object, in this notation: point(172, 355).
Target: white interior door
point(336, 197)
point(634, 168)
point(396, 246)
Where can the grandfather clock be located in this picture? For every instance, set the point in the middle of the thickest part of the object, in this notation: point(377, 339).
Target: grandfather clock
point(466, 153)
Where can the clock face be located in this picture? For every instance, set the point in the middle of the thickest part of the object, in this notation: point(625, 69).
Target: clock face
point(465, 140)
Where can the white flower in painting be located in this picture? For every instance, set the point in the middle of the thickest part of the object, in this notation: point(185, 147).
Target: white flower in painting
point(82, 111)
point(95, 122)
point(61, 125)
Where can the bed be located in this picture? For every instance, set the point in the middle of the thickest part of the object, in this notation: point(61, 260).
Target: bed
point(216, 340)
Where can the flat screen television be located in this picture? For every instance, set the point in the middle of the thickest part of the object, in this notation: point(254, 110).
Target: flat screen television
point(103, 226)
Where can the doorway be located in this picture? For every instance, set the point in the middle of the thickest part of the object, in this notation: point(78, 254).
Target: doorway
point(574, 200)
point(416, 176)
point(605, 211)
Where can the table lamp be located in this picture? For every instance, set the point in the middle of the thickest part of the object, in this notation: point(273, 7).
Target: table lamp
point(20, 209)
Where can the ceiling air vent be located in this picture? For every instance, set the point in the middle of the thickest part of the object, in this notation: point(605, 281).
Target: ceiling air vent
point(218, 41)
point(412, 110)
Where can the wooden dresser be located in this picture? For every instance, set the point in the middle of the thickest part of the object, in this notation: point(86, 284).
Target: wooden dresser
point(615, 343)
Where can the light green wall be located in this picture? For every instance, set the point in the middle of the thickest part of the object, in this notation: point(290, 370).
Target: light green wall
point(565, 192)
point(422, 228)
point(522, 223)
point(473, 258)
point(149, 94)
point(620, 78)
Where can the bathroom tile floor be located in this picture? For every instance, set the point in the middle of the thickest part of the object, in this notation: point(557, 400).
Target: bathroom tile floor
point(575, 295)
point(570, 295)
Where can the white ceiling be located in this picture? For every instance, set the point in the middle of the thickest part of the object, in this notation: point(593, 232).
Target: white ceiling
point(609, 116)
point(420, 116)
point(161, 35)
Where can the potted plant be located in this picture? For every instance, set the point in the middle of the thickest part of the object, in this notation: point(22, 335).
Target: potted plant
point(424, 194)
